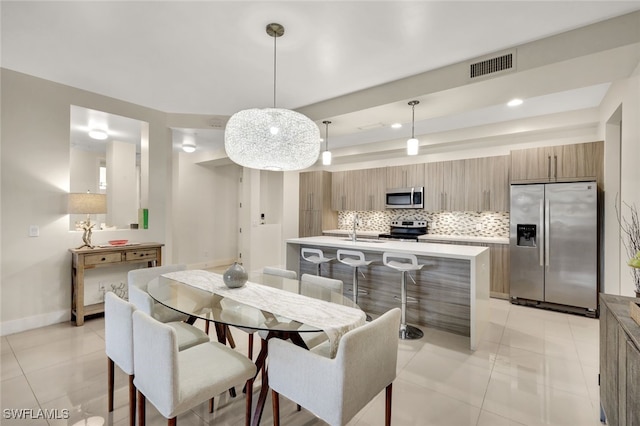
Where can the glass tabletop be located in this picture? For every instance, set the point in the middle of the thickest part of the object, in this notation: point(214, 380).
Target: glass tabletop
point(209, 306)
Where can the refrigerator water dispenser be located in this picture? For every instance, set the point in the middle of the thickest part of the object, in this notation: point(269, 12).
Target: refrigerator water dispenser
point(526, 235)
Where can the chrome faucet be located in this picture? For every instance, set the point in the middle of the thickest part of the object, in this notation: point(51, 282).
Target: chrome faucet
point(355, 224)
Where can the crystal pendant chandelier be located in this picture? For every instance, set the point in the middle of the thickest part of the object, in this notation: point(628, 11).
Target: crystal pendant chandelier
point(272, 138)
point(412, 144)
point(326, 154)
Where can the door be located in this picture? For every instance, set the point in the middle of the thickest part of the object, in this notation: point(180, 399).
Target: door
point(526, 242)
point(571, 256)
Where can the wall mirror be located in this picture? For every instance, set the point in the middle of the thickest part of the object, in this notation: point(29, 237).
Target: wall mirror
point(109, 155)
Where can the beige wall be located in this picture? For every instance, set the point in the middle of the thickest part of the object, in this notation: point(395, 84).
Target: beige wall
point(35, 287)
point(622, 174)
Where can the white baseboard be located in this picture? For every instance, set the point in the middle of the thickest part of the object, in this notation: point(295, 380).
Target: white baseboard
point(36, 321)
point(211, 263)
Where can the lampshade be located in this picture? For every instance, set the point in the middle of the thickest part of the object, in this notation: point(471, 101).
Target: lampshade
point(413, 144)
point(87, 203)
point(272, 138)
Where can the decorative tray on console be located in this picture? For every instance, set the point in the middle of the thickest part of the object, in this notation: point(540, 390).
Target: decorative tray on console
point(634, 311)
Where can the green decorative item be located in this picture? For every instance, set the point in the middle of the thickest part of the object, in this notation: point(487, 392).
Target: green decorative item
point(235, 276)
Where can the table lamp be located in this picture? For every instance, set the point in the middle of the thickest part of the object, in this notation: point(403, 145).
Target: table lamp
point(87, 203)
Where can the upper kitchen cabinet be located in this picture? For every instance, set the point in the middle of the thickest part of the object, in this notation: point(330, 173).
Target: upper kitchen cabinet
point(558, 163)
point(444, 186)
point(487, 184)
point(315, 204)
point(374, 189)
point(408, 176)
point(358, 190)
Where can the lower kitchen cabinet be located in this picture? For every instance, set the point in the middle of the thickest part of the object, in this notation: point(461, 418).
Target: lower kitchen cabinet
point(619, 362)
point(499, 254)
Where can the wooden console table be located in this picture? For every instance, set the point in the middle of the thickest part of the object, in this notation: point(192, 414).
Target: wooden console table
point(99, 257)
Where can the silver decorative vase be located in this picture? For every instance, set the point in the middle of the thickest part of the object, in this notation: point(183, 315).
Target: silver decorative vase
point(235, 276)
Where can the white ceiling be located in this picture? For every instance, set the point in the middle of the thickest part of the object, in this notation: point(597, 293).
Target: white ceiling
point(337, 59)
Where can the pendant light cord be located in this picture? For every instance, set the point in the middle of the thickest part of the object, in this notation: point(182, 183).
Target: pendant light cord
point(413, 117)
point(326, 134)
point(275, 38)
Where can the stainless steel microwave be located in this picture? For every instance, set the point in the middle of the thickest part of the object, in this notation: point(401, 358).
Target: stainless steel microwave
point(405, 198)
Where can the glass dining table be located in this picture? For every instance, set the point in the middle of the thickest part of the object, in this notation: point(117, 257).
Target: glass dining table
point(280, 307)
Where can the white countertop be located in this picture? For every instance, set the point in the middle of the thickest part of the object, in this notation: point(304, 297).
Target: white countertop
point(461, 238)
point(348, 232)
point(419, 249)
point(465, 238)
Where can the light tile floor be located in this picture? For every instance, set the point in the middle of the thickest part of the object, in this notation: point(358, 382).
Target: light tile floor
point(533, 367)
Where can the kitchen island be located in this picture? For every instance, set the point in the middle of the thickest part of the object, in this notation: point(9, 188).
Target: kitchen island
point(451, 291)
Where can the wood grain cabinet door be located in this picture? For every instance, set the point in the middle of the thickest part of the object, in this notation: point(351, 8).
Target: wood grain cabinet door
point(407, 176)
point(338, 192)
point(433, 187)
point(453, 185)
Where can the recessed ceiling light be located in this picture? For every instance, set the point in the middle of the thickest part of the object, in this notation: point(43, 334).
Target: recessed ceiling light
point(189, 143)
point(98, 134)
point(514, 102)
point(396, 125)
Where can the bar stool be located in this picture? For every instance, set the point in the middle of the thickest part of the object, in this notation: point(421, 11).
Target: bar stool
point(315, 256)
point(407, 332)
point(355, 259)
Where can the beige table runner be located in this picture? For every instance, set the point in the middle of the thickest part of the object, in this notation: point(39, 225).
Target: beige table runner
point(334, 319)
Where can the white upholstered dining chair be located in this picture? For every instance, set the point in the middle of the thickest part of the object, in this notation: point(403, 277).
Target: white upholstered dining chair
point(176, 381)
point(138, 280)
point(118, 330)
point(279, 272)
point(336, 389)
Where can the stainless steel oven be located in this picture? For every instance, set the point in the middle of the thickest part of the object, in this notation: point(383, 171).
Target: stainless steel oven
point(405, 198)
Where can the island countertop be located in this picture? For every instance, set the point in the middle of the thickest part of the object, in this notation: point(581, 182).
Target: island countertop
point(419, 249)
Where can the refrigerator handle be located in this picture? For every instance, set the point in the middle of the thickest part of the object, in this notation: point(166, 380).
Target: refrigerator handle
point(540, 244)
point(546, 233)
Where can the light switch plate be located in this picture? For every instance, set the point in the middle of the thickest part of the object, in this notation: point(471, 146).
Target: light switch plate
point(34, 231)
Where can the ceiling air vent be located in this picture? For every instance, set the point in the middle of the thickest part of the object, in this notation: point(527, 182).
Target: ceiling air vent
point(489, 66)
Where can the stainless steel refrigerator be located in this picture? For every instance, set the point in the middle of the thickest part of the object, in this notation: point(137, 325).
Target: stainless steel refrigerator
point(554, 246)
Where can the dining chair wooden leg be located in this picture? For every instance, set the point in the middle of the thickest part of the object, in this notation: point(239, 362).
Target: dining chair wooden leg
point(250, 352)
point(206, 327)
point(110, 380)
point(132, 402)
point(275, 402)
point(211, 401)
point(141, 411)
point(387, 408)
point(249, 397)
point(172, 421)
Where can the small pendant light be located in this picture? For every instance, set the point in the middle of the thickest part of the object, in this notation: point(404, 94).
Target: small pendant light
point(326, 155)
point(412, 144)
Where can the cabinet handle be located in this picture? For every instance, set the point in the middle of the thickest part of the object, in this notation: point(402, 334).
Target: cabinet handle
point(555, 160)
point(549, 166)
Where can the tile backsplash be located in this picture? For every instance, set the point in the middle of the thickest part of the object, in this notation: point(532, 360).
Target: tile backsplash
point(477, 224)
